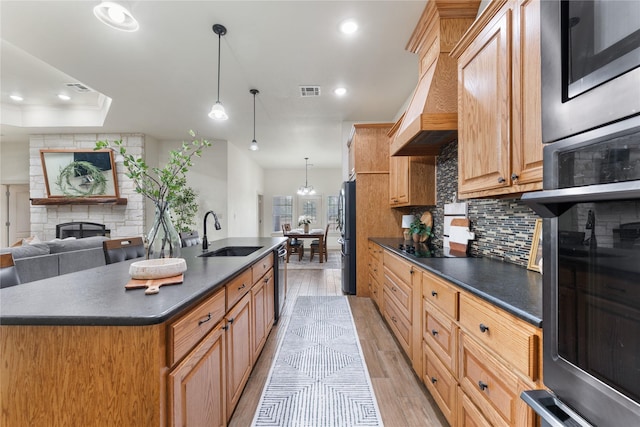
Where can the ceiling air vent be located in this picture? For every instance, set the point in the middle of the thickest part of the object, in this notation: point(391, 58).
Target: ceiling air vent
point(307, 91)
point(79, 87)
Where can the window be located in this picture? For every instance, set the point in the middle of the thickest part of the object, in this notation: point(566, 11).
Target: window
point(311, 206)
point(332, 212)
point(282, 212)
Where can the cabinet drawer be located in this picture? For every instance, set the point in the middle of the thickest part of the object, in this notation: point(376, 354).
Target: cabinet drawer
point(441, 334)
point(401, 268)
point(440, 294)
point(238, 287)
point(488, 383)
point(259, 268)
point(468, 413)
point(400, 292)
point(440, 383)
point(398, 323)
point(516, 341)
point(374, 289)
point(187, 331)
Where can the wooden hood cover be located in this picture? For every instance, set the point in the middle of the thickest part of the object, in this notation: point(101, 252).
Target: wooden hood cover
point(431, 119)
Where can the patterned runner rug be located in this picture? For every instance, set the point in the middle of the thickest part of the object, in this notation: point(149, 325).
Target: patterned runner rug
point(319, 377)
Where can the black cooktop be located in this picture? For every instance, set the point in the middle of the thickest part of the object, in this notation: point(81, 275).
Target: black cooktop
point(423, 250)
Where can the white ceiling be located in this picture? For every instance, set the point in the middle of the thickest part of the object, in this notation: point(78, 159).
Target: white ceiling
point(162, 79)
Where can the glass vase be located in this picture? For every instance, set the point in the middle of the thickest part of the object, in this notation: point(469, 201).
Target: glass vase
point(163, 240)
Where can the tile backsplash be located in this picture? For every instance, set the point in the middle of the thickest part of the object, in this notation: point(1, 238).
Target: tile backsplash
point(503, 227)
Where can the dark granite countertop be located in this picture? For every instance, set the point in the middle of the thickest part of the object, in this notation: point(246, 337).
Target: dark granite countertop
point(508, 286)
point(97, 296)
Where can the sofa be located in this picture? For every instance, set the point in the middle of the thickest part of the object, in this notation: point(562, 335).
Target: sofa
point(47, 259)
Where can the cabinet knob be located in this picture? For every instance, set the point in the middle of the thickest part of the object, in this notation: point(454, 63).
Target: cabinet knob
point(501, 180)
point(242, 287)
point(483, 328)
point(434, 380)
point(434, 332)
point(514, 176)
point(434, 294)
point(482, 386)
point(225, 327)
point(231, 321)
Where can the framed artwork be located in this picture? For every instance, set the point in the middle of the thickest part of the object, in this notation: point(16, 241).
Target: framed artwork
point(535, 255)
point(79, 173)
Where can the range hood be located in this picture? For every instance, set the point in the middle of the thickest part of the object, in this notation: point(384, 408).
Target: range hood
point(431, 119)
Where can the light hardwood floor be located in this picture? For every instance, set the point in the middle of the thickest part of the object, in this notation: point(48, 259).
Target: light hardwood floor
point(402, 399)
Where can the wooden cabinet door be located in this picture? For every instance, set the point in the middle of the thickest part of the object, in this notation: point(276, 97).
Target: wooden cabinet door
point(399, 180)
point(239, 351)
point(484, 102)
point(259, 326)
point(197, 386)
point(527, 123)
point(269, 296)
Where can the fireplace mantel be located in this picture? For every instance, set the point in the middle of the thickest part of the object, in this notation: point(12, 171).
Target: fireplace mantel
point(78, 201)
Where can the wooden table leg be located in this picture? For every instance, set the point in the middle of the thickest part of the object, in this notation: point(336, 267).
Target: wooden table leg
point(321, 248)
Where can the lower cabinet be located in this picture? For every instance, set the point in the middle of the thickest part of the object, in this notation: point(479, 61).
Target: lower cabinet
point(239, 351)
point(215, 346)
point(197, 386)
point(473, 357)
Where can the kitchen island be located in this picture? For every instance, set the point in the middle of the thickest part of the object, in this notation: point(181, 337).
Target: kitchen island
point(79, 349)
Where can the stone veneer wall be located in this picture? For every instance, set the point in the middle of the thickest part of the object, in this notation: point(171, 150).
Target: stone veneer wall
point(503, 227)
point(123, 221)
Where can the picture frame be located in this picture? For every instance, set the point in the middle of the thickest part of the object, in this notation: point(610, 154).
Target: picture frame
point(79, 173)
point(535, 254)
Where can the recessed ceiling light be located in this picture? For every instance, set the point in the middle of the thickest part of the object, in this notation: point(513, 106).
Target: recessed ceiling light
point(340, 91)
point(16, 97)
point(115, 16)
point(64, 97)
point(349, 26)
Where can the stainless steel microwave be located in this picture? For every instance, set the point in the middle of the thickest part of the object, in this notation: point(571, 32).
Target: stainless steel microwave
point(590, 75)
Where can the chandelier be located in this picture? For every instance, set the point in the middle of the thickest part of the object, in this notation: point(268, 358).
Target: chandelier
point(307, 189)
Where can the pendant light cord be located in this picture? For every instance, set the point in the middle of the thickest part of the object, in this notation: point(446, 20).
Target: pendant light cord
point(219, 37)
point(254, 116)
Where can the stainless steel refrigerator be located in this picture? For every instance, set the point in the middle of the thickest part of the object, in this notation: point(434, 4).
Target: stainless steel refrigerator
point(347, 227)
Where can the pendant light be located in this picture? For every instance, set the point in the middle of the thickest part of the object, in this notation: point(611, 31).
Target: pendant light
point(254, 143)
point(306, 190)
point(217, 111)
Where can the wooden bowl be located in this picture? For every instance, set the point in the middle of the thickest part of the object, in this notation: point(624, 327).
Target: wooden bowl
point(157, 268)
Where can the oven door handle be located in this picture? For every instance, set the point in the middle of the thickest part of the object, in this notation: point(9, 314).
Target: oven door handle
point(552, 203)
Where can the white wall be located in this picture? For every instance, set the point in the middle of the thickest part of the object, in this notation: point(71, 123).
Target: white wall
point(285, 182)
point(246, 182)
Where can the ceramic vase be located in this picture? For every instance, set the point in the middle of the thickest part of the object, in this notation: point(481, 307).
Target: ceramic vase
point(306, 228)
point(163, 239)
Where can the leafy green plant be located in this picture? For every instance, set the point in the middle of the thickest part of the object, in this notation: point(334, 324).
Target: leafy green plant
point(418, 227)
point(184, 208)
point(163, 186)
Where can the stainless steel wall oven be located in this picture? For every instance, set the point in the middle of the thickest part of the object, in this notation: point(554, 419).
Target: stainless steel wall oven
point(591, 210)
point(591, 276)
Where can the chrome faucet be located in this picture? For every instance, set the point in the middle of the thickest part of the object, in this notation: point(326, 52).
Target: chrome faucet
point(205, 242)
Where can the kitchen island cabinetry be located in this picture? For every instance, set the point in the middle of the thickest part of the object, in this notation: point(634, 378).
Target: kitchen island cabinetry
point(475, 357)
point(86, 352)
point(376, 274)
point(499, 126)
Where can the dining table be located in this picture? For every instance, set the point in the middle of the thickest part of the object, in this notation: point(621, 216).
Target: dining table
point(314, 233)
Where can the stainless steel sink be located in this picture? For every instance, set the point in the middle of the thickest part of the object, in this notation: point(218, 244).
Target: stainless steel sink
point(232, 251)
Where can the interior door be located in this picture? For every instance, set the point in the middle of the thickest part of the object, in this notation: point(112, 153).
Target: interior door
point(16, 212)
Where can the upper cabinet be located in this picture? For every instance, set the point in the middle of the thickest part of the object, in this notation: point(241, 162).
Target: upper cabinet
point(368, 148)
point(412, 179)
point(499, 124)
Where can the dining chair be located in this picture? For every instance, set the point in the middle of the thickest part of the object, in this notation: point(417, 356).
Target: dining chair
point(189, 238)
point(315, 246)
point(294, 245)
point(8, 272)
point(117, 250)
